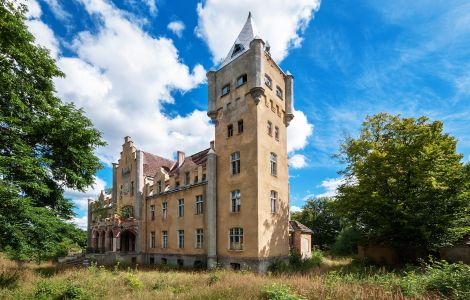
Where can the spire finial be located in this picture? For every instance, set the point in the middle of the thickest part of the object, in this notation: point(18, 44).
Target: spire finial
point(249, 14)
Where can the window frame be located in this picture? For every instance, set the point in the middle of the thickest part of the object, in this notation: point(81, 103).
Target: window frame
point(164, 239)
point(152, 212)
point(235, 201)
point(279, 92)
point(276, 133)
point(235, 237)
point(164, 210)
point(181, 208)
point(274, 197)
point(244, 78)
point(152, 239)
point(229, 130)
point(273, 163)
point(199, 240)
point(270, 128)
point(225, 90)
point(240, 126)
point(268, 81)
point(199, 205)
point(180, 239)
point(235, 165)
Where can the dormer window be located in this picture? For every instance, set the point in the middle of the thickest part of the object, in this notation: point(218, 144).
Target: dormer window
point(268, 81)
point(279, 92)
point(226, 89)
point(241, 80)
point(237, 49)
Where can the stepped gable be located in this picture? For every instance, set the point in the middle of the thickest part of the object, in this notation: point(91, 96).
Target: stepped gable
point(152, 163)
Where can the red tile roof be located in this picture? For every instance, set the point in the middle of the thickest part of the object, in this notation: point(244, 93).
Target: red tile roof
point(199, 158)
point(297, 226)
point(152, 163)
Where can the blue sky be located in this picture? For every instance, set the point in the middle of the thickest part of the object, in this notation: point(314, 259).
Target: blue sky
point(138, 68)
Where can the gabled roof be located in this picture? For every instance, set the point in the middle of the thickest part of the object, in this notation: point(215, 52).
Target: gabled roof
point(242, 43)
point(297, 226)
point(199, 158)
point(152, 163)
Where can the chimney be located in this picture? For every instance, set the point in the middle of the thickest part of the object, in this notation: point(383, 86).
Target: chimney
point(127, 139)
point(180, 157)
point(212, 145)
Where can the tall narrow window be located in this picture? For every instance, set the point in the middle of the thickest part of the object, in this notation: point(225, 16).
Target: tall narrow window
point(187, 178)
point(132, 188)
point(152, 212)
point(276, 133)
point(164, 239)
point(159, 187)
point(241, 80)
point(196, 179)
point(226, 90)
point(273, 201)
point(181, 239)
point(270, 128)
point(199, 238)
point(236, 238)
point(279, 92)
point(204, 177)
point(235, 199)
point(235, 161)
point(240, 126)
point(177, 185)
point(180, 208)
point(230, 130)
point(273, 163)
point(152, 239)
point(165, 210)
point(268, 81)
point(199, 205)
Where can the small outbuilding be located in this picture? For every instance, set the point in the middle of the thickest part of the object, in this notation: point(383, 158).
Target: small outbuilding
point(300, 239)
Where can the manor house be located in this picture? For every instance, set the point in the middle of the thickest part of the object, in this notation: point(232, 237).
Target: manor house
point(227, 204)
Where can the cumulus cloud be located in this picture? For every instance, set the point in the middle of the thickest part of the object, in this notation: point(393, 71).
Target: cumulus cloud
point(44, 36)
point(152, 5)
point(298, 161)
point(280, 22)
point(80, 199)
point(331, 185)
point(176, 27)
point(81, 222)
point(298, 132)
point(34, 9)
point(295, 209)
point(57, 9)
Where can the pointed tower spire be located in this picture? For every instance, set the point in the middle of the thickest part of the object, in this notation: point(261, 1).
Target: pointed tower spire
point(248, 33)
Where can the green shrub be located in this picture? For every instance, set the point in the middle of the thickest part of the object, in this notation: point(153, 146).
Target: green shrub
point(132, 281)
point(44, 290)
point(9, 280)
point(213, 278)
point(296, 263)
point(451, 280)
point(74, 291)
point(279, 292)
point(346, 242)
point(160, 285)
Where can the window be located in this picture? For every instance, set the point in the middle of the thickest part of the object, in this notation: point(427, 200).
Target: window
point(180, 262)
point(199, 238)
point(152, 239)
point(203, 177)
point(237, 49)
point(199, 205)
point(180, 208)
point(177, 185)
point(159, 187)
point(181, 239)
point(268, 81)
point(132, 188)
point(230, 130)
point(165, 240)
point(270, 128)
point(165, 210)
point(235, 201)
point(164, 261)
point(240, 126)
point(196, 179)
point(276, 133)
point(152, 212)
point(187, 178)
point(235, 160)
point(279, 92)
point(236, 238)
point(273, 201)
point(273, 163)
point(226, 89)
point(241, 80)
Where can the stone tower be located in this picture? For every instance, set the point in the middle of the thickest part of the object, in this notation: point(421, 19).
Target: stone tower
point(250, 101)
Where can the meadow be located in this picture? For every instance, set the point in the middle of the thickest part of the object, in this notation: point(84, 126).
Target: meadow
point(324, 278)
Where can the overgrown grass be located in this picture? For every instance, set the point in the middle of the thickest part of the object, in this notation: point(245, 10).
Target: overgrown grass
point(318, 278)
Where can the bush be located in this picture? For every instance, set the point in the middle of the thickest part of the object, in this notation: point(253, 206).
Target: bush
point(213, 278)
point(74, 291)
point(132, 281)
point(448, 279)
point(9, 280)
point(44, 290)
point(297, 263)
point(346, 242)
point(279, 292)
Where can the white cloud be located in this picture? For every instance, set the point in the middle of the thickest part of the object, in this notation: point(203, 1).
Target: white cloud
point(298, 132)
point(122, 75)
point(295, 209)
point(308, 196)
point(81, 222)
point(280, 22)
point(44, 36)
point(80, 199)
point(298, 161)
point(57, 9)
point(176, 27)
point(331, 185)
point(34, 9)
point(152, 5)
